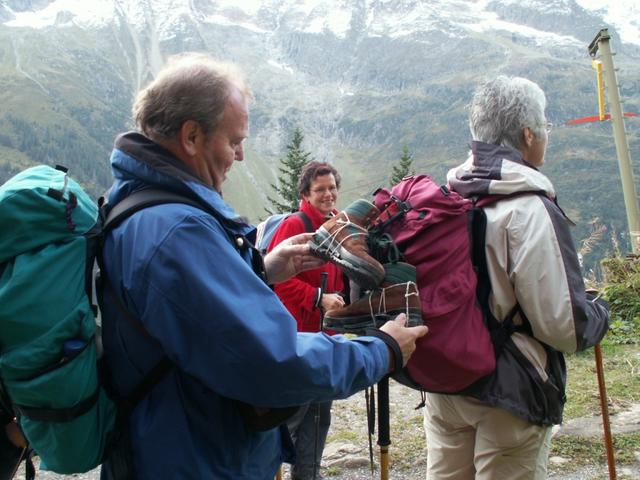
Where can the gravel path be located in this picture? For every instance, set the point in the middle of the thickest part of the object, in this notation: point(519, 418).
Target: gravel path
point(347, 452)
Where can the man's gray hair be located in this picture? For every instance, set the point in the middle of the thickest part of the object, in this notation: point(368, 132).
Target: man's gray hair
point(191, 86)
point(501, 108)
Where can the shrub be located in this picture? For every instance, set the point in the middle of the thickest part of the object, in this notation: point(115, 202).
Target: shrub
point(622, 291)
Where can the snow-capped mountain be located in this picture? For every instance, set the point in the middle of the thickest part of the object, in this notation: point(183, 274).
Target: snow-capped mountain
point(390, 18)
point(361, 78)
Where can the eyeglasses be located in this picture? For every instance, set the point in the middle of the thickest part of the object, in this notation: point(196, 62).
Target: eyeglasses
point(322, 191)
point(548, 127)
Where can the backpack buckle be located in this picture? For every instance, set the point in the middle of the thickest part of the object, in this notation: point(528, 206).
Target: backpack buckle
point(395, 209)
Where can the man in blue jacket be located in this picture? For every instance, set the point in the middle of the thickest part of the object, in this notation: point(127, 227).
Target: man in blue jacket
point(184, 275)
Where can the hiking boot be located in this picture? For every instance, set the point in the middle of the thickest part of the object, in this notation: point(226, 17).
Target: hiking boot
point(397, 294)
point(343, 240)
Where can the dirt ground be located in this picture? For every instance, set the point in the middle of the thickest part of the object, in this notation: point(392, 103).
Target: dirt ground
point(346, 455)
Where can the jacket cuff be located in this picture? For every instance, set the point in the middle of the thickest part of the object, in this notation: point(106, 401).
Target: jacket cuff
point(393, 346)
point(599, 300)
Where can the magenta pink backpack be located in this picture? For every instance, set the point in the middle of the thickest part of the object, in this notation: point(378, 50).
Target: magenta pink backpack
point(431, 227)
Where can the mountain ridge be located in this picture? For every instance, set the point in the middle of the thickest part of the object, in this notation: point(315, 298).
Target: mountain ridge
point(361, 79)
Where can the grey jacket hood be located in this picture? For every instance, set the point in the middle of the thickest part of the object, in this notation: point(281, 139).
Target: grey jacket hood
point(494, 169)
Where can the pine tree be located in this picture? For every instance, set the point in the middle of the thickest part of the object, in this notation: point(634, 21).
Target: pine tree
point(290, 167)
point(403, 168)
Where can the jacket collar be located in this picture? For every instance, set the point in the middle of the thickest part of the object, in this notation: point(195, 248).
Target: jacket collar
point(495, 169)
point(137, 162)
point(316, 217)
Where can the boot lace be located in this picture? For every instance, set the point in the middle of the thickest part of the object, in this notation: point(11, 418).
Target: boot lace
point(411, 290)
point(332, 244)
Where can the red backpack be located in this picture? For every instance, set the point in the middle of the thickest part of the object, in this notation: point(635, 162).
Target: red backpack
point(432, 228)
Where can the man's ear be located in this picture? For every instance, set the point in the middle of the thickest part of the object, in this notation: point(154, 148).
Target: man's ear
point(188, 137)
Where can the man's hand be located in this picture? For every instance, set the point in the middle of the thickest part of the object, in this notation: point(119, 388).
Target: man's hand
point(405, 337)
point(331, 301)
point(290, 257)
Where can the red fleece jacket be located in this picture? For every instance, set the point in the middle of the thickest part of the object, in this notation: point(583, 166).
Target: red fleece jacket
point(299, 294)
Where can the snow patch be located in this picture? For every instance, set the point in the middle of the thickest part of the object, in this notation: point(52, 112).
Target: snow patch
point(322, 18)
point(624, 15)
point(89, 13)
point(539, 36)
point(280, 66)
point(249, 7)
point(225, 21)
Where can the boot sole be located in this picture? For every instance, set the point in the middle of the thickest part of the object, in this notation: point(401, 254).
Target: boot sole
point(361, 322)
point(358, 270)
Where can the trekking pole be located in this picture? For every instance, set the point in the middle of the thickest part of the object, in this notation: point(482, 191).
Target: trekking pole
point(608, 439)
point(384, 439)
point(370, 399)
point(316, 465)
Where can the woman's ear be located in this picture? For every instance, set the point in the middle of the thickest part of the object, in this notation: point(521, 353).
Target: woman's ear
point(528, 137)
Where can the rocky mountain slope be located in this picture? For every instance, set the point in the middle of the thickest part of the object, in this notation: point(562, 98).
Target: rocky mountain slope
point(360, 78)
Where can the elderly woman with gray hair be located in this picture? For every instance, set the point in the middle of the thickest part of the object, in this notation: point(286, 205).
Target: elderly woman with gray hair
point(501, 426)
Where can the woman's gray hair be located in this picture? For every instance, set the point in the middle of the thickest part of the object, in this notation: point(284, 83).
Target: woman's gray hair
point(501, 108)
point(191, 86)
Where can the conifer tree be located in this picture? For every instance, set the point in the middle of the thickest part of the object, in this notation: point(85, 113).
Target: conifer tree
point(287, 192)
point(403, 168)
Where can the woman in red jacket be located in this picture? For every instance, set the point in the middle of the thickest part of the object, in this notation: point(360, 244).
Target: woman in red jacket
point(318, 189)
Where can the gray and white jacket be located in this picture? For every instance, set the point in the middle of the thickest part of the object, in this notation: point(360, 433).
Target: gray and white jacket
point(532, 263)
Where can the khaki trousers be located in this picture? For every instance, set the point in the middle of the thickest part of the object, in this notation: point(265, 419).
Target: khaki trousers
point(467, 440)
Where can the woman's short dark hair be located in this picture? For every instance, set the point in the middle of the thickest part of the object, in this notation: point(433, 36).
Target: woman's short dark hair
point(311, 171)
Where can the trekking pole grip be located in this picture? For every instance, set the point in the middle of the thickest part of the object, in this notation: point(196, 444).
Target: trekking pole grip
point(323, 282)
point(323, 288)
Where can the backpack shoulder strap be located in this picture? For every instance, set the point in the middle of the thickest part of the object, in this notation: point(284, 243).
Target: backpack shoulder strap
point(500, 331)
point(485, 200)
point(308, 227)
point(121, 211)
point(150, 380)
point(124, 209)
point(148, 198)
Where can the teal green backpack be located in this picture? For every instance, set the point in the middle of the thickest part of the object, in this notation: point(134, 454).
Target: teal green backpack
point(64, 413)
point(50, 234)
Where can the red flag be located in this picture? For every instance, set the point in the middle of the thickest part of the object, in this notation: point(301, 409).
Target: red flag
point(596, 118)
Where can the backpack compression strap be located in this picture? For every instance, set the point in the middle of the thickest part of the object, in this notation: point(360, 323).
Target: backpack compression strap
point(394, 209)
point(57, 415)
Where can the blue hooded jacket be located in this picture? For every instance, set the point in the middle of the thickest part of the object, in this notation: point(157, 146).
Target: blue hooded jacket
point(176, 270)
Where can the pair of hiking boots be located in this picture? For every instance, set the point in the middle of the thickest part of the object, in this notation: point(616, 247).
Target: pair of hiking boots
point(390, 289)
